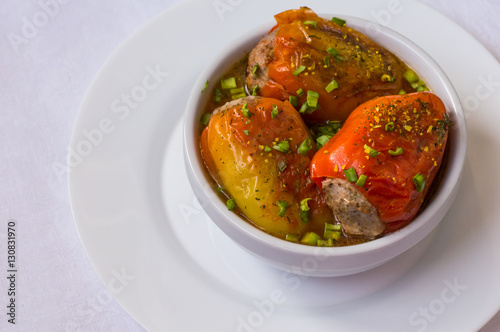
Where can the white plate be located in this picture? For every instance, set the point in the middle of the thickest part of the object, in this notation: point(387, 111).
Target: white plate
point(172, 270)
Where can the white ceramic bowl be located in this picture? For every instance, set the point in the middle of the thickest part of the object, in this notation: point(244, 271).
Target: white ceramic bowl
point(321, 261)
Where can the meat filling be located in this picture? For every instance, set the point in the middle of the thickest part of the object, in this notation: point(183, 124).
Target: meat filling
point(355, 213)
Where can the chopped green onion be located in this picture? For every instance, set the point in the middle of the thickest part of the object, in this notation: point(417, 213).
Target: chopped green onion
point(312, 98)
point(305, 146)
point(398, 151)
point(389, 126)
point(326, 61)
point(325, 243)
point(371, 152)
point(299, 92)
point(245, 111)
point(419, 181)
point(387, 78)
point(331, 128)
point(422, 88)
point(334, 235)
point(414, 85)
point(303, 204)
point(335, 125)
point(235, 91)
point(204, 87)
point(361, 180)
point(322, 140)
point(402, 92)
point(238, 96)
point(294, 101)
point(217, 95)
point(254, 70)
point(255, 90)
point(299, 70)
point(205, 118)
point(338, 21)
point(246, 132)
point(304, 216)
point(311, 23)
point(231, 204)
point(351, 175)
point(310, 238)
point(292, 238)
point(282, 206)
point(312, 109)
point(332, 86)
point(228, 83)
point(308, 109)
point(281, 166)
point(333, 52)
point(410, 76)
point(332, 227)
point(282, 146)
point(303, 108)
point(267, 149)
point(274, 112)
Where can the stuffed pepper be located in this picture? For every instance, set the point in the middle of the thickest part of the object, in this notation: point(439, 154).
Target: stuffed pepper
point(258, 151)
point(326, 67)
point(376, 171)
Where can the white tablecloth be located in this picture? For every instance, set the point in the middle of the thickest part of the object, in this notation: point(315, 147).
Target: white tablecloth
point(45, 70)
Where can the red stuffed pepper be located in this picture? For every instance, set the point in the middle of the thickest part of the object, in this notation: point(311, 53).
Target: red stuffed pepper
point(311, 58)
point(377, 170)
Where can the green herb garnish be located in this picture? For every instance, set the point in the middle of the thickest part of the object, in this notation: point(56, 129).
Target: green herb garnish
point(398, 151)
point(419, 181)
point(299, 70)
point(332, 86)
point(231, 204)
point(370, 151)
point(282, 146)
point(282, 206)
point(274, 112)
point(228, 83)
point(305, 146)
point(245, 111)
point(311, 23)
point(338, 21)
point(205, 118)
point(204, 87)
point(351, 175)
point(361, 180)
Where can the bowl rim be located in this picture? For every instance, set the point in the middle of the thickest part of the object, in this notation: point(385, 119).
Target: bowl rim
point(203, 189)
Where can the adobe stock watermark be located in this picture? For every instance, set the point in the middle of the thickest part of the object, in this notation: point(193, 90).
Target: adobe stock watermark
point(222, 7)
point(485, 88)
point(200, 200)
point(30, 27)
point(121, 109)
point(383, 16)
point(424, 316)
point(263, 309)
point(293, 280)
point(98, 303)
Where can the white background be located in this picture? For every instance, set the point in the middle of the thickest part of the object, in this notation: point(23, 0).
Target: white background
point(44, 75)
